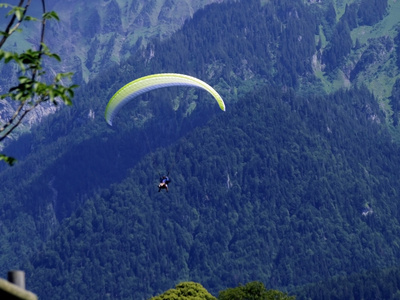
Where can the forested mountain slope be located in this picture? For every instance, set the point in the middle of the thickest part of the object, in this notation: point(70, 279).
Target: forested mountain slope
point(280, 189)
point(68, 155)
point(356, 42)
point(373, 284)
point(92, 36)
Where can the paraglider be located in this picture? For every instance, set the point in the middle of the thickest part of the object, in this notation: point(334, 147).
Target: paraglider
point(164, 181)
point(152, 82)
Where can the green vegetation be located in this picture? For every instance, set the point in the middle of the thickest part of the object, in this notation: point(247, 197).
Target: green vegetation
point(374, 284)
point(120, 27)
point(290, 186)
point(30, 89)
point(186, 291)
point(245, 204)
point(360, 47)
point(253, 290)
point(250, 291)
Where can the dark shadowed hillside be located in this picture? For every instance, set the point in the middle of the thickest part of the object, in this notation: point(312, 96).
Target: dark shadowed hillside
point(280, 189)
point(64, 161)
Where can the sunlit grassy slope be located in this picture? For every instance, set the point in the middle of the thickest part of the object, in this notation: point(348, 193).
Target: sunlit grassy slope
point(380, 75)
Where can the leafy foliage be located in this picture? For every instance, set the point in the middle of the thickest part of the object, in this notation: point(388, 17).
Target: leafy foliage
point(186, 291)
point(253, 291)
point(7, 159)
point(31, 90)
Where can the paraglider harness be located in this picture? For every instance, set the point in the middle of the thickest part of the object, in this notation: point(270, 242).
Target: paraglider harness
point(164, 181)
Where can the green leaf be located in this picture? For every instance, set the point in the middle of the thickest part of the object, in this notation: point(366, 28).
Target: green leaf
point(9, 160)
point(19, 12)
point(53, 55)
point(51, 15)
point(24, 79)
point(29, 18)
point(8, 56)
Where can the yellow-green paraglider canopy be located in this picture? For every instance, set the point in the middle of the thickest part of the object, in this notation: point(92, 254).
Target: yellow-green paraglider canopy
point(152, 82)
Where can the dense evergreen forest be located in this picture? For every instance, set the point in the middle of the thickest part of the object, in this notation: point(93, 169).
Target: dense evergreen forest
point(78, 144)
point(279, 189)
point(290, 186)
point(373, 284)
